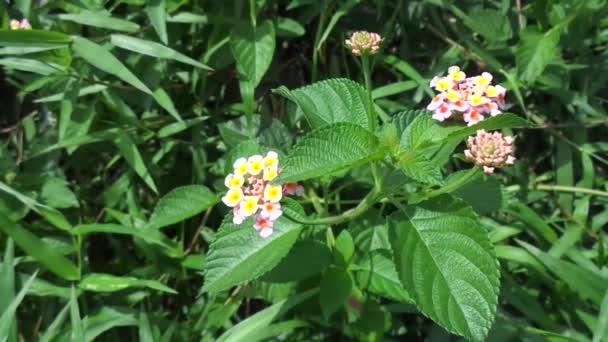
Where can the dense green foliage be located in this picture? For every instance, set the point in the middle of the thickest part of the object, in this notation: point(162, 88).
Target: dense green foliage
point(120, 120)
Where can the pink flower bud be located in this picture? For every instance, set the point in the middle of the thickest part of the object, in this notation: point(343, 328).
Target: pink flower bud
point(364, 43)
point(490, 150)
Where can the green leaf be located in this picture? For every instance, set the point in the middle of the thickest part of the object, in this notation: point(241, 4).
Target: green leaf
point(31, 65)
point(106, 319)
point(129, 151)
point(253, 48)
point(256, 324)
point(178, 127)
point(418, 167)
point(501, 121)
point(51, 333)
point(8, 316)
point(491, 24)
point(164, 100)
point(330, 101)
point(483, 194)
point(39, 250)
point(601, 329)
point(180, 204)
point(290, 28)
point(33, 38)
point(377, 274)
point(7, 288)
point(149, 236)
point(57, 194)
point(156, 12)
point(97, 282)
point(100, 20)
point(67, 107)
point(336, 286)
point(149, 48)
point(535, 51)
point(584, 282)
point(345, 247)
point(76, 329)
point(331, 149)
point(305, 259)
point(445, 261)
point(102, 59)
point(238, 254)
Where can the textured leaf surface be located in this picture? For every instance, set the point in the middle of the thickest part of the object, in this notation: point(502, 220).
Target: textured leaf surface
point(377, 274)
point(180, 204)
point(239, 254)
point(330, 101)
point(330, 149)
point(445, 261)
point(253, 49)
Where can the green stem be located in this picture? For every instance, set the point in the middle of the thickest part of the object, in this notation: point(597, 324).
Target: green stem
point(371, 113)
point(315, 52)
point(365, 64)
point(469, 176)
point(563, 188)
point(348, 215)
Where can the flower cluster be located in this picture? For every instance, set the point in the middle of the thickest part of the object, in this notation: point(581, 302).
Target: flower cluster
point(250, 192)
point(472, 98)
point(20, 25)
point(490, 150)
point(364, 43)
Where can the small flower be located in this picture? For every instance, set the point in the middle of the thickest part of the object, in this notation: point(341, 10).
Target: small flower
point(240, 167)
point(271, 211)
point(442, 113)
point(477, 100)
point(273, 193)
point(364, 43)
point(444, 84)
point(460, 106)
point(271, 159)
point(490, 150)
point(456, 74)
point(472, 116)
point(453, 95)
point(436, 102)
point(25, 24)
point(249, 205)
point(251, 194)
point(237, 216)
point(233, 197)
point(291, 189)
point(255, 165)
point(270, 173)
point(264, 226)
point(14, 24)
point(234, 181)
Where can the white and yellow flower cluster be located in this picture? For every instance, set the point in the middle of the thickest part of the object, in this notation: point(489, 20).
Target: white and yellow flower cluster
point(20, 25)
point(250, 191)
point(472, 98)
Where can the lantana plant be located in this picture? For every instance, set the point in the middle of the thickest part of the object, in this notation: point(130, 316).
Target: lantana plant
point(436, 248)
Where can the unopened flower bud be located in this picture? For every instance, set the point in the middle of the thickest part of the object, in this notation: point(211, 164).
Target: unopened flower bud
point(364, 43)
point(490, 150)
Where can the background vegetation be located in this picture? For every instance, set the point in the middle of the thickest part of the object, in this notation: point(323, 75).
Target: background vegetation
point(114, 114)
